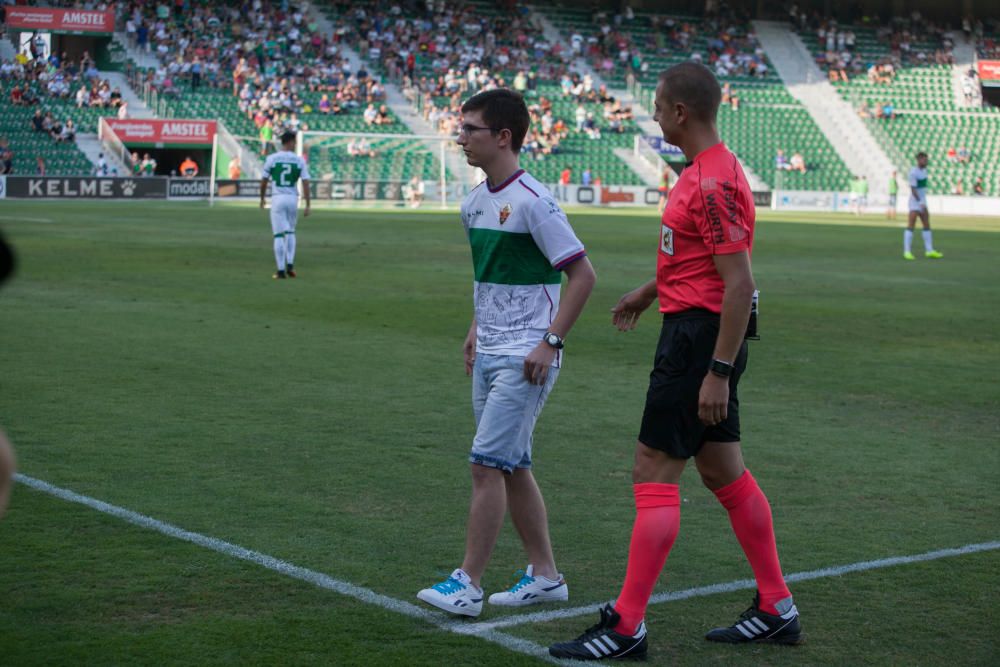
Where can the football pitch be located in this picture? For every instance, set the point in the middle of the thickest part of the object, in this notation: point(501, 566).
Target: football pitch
point(221, 468)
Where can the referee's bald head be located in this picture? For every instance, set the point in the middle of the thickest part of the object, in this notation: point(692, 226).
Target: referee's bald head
point(694, 86)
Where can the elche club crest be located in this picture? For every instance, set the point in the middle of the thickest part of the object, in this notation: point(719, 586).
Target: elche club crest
point(505, 212)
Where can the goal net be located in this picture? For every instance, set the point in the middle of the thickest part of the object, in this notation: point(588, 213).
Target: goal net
point(355, 168)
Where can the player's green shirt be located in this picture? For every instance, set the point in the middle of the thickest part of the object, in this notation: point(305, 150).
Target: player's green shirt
point(893, 186)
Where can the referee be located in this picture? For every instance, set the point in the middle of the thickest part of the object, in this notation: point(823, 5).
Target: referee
point(705, 289)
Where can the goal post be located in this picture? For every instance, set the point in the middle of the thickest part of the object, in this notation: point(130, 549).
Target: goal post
point(361, 167)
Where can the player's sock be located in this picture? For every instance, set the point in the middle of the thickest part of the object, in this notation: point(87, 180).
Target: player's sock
point(928, 242)
point(657, 521)
point(289, 248)
point(279, 250)
point(750, 516)
point(908, 240)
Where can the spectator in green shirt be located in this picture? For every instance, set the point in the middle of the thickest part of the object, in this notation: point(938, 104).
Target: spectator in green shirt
point(266, 135)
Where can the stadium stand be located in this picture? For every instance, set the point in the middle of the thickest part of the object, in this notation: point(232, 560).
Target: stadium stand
point(899, 78)
point(274, 68)
point(496, 47)
point(936, 134)
point(270, 64)
point(48, 85)
point(639, 48)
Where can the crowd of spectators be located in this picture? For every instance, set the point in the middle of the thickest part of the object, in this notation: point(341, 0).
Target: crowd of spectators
point(595, 110)
point(878, 110)
point(724, 41)
point(34, 79)
point(270, 54)
point(911, 41)
point(37, 78)
point(984, 36)
point(960, 155)
point(449, 36)
point(796, 163)
point(978, 187)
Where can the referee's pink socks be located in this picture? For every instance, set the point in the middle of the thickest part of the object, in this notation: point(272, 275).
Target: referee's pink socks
point(750, 515)
point(657, 520)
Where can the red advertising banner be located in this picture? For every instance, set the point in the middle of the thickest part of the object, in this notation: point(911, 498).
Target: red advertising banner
point(154, 131)
point(44, 19)
point(989, 72)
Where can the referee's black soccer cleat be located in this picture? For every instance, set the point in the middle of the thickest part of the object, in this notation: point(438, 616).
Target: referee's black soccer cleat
point(290, 271)
point(755, 625)
point(280, 275)
point(601, 642)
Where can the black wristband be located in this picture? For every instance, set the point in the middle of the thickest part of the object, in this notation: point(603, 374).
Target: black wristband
point(721, 368)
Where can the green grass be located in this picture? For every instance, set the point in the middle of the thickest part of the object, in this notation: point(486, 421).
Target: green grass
point(149, 360)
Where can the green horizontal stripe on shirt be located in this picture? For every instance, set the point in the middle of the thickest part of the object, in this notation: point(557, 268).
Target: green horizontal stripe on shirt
point(510, 258)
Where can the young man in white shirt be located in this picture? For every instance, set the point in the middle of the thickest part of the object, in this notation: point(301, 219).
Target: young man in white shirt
point(522, 243)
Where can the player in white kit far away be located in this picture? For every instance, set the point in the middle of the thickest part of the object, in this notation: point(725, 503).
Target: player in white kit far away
point(918, 209)
point(284, 170)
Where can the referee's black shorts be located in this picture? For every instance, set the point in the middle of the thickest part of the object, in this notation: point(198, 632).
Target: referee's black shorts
point(670, 421)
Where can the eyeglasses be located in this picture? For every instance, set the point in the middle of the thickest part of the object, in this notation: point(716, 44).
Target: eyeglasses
point(469, 129)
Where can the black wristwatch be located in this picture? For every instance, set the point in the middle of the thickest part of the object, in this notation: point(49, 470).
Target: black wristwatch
point(553, 339)
point(721, 368)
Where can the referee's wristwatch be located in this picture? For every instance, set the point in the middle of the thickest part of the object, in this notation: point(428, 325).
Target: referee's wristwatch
point(554, 340)
point(721, 368)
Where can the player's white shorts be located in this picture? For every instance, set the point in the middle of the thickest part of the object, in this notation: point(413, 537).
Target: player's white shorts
point(284, 210)
point(917, 206)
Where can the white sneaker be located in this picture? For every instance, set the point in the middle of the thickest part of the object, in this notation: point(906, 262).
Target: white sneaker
point(456, 595)
point(532, 590)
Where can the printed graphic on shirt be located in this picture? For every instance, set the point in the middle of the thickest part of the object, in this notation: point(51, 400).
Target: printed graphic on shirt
point(722, 211)
point(505, 212)
point(284, 169)
point(667, 240)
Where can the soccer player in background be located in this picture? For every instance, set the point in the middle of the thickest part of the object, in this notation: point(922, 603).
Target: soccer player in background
point(522, 243)
point(918, 209)
point(285, 169)
point(705, 289)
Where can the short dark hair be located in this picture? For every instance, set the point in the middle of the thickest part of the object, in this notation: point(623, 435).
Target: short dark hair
point(503, 109)
point(288, 137)
point(693, 85)
point(921, 154)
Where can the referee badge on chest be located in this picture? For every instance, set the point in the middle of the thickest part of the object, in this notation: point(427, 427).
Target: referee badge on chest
point(667, 240)
point(505, 212)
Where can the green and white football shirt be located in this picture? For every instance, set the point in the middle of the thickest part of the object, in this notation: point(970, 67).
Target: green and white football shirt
point(284, 169)
point(521, 240)
point(918, 181)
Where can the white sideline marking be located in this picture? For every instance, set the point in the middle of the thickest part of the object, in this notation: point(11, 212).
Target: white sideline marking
point(288, 569)
point(747, 584)
point(484, 630)
point(17, 217)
